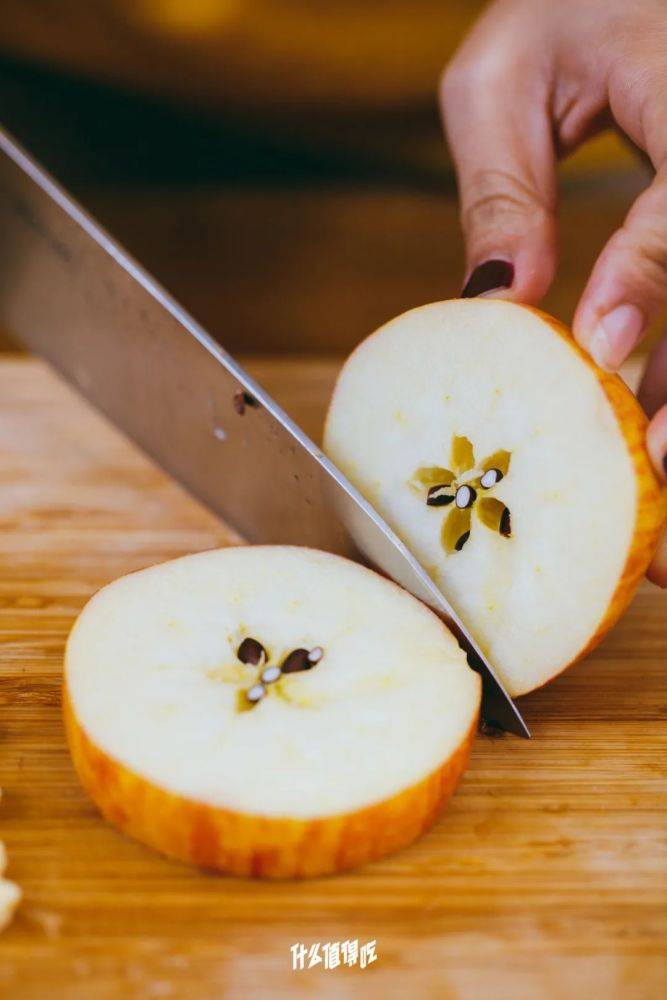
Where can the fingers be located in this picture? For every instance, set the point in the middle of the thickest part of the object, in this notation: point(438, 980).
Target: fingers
point(657, 446)
point(629, 281)
point(500, 136)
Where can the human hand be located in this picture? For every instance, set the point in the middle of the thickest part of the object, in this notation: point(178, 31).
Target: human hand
point(533, 80)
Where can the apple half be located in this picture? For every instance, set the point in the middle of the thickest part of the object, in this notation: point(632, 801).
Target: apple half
point(511, 466)
point(267, 710)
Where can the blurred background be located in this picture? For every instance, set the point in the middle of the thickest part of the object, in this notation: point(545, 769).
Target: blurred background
point(277, 164)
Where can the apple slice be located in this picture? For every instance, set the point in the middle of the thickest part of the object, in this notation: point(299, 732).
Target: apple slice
point(10, 897)
point(267, 710)
point(514, 469)
point(10, 894)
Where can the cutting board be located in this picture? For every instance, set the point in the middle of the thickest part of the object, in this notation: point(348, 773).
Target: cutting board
point(545, 878)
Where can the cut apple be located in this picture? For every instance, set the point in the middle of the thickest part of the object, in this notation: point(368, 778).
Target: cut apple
point(267, 710)
point(511, 466)
point(10, 897)
point(10, 894)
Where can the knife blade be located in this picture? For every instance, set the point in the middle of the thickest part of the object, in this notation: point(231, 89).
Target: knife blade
point(74, 296)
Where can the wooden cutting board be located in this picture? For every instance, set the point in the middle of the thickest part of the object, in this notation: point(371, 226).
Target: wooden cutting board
point(545, 878)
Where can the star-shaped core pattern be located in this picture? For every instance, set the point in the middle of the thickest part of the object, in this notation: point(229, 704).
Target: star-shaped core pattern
point(463, 488)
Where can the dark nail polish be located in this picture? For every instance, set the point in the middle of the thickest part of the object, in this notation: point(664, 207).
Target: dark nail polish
point(490, 276)
point(664, 464)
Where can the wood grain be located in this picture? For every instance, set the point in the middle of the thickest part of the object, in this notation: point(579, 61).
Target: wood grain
point(546, 877)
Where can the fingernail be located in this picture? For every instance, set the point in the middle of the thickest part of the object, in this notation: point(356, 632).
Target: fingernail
point(615, 336)
point(491, 276)
point(664, 465)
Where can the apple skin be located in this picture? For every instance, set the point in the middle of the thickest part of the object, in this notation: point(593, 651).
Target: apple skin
point(241, 844)
point(651, 493)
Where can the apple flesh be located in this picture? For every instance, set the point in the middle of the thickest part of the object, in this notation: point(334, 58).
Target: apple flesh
point(357, 739)
point(10, 897)
point(511, 466)
point(10, 894)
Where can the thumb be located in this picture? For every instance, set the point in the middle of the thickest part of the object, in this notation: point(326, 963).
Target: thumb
point(628, 285)
point(501, 142)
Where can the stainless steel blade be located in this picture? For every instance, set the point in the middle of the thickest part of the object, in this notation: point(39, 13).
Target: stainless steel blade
point(74, 296)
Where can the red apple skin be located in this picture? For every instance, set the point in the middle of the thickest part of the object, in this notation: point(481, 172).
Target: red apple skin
point(240, 844)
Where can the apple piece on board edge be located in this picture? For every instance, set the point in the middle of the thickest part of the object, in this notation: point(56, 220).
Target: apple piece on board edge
point(10, 893)
point(267, 710)
point(512, 466)
point(10, 896)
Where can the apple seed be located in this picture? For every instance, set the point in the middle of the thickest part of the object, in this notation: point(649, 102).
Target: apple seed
point(465, 497)
point(297, 660)
point(255, 693)
point(270, 674)
point(490, 478)
point(505, 523)
point(251, 651)
point(439, 496)
point(462, 540)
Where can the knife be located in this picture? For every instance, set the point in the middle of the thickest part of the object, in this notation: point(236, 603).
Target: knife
point(73, 295)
